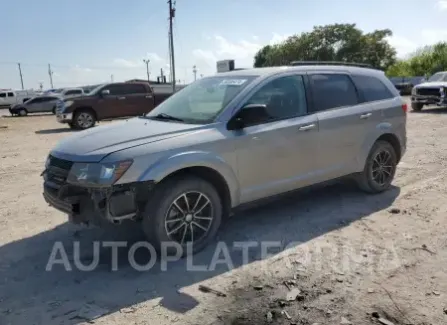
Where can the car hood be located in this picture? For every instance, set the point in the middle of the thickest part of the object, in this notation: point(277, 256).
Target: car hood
point(94, 144)
point(432, 84)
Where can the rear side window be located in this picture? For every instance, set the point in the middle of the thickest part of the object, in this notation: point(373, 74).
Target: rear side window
point(130, 89)
point(74, 92)
point(371, 89)
point(332, 91)
point(10, 94)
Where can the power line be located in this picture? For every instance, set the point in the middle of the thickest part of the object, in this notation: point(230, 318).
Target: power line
point(21, 76)
point(171, 42)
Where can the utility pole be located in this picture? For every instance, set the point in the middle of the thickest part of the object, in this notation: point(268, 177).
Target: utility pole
point(171, 42)
point(111, 77)
point(50, 73)
point(147, 68)
point(194, 70)
point(21, 77)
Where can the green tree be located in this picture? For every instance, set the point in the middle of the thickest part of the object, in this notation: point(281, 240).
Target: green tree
point(337, 42)
point(424, 62)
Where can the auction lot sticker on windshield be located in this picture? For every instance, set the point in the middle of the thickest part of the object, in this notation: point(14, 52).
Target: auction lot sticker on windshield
point(233, 82)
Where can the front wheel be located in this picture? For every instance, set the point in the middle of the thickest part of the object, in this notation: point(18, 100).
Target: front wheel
point(380, 168)
point(23, 112)
point(84, 119)
point(416, 107)
point(186, 212)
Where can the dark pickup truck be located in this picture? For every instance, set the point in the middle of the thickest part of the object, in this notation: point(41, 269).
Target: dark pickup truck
point(109, 101)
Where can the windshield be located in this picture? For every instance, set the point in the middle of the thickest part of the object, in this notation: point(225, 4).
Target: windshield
point(440, 76)
point(95, 90)
point(203, 100)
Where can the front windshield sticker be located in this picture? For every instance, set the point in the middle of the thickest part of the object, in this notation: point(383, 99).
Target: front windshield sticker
point(233, 82)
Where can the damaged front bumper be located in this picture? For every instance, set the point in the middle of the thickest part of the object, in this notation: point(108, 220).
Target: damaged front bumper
point(96, 206)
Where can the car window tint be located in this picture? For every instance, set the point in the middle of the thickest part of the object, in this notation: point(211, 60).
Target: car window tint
point(114, 89)
point(284, 97)
point(10, 94)
point(2, 95)
point(333, 90)
point(73, 92)
point(371, 88)
point(133, 89)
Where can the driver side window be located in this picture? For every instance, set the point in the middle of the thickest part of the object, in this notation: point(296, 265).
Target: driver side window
point(284, 97)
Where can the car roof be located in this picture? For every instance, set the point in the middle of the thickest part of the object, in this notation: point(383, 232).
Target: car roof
point(302, 68)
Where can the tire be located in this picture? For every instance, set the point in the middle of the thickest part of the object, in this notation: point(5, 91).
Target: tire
point(162, 203)
point(22, 112)
point(84, 119)
point(416, 107)
point(366, 180)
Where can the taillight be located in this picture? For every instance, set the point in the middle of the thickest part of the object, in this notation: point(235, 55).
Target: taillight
point(405, 107)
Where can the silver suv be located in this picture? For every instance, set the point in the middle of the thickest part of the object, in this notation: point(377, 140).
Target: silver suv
point(228, 140)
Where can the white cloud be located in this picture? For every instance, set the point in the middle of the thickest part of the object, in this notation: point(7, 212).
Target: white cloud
point(403, 45)
point(277, 38)
point(126, 63)
point(154, 57)
point(442, 4)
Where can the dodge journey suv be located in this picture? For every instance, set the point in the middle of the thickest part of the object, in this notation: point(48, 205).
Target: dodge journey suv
point(228, 140)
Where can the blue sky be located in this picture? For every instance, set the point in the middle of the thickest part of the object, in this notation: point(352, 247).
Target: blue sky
point(86, 41)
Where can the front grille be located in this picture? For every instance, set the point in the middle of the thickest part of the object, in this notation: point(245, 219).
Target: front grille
point(57, 172)
point(428, 92)
point(60, 163)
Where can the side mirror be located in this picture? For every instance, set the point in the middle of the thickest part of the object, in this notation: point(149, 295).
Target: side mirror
point(105, 92)
point(247, 115)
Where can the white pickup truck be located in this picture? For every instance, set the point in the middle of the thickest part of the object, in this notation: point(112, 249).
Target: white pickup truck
point(12, 97)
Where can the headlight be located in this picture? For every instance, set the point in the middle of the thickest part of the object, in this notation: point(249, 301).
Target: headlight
point(47, 162)
point(68, 103)
point(97, 174)
point(414, 91)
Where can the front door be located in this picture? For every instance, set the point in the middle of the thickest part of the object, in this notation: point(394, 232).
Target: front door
point(139, 99)
point(110, 103)
point(277, 153)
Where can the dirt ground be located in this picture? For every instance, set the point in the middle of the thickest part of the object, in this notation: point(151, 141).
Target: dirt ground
point(354, 258)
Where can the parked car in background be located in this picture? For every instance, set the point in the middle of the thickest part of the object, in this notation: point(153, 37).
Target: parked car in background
point(38, 104)
point(108, 101)
point(431, 92)
point(72, 92)
point(13, 97)
point(225, 141)
point(405, 84)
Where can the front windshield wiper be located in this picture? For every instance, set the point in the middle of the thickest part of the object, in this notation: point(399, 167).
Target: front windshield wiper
point(164, 116)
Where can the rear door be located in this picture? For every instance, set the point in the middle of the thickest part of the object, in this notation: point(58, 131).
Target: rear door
point(343, 120)
point(139, 99)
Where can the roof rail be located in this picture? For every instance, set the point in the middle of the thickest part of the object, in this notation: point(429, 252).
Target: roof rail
point(352, 64)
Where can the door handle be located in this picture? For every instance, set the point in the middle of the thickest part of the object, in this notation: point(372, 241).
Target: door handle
point(121, 98)
point(365, 116)
point(307, 127)
point(148, 96)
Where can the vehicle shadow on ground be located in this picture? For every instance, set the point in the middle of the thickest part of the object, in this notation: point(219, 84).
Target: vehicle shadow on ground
point(432, 110)
point(53, 131)
point(29, 293)
point(28, 115)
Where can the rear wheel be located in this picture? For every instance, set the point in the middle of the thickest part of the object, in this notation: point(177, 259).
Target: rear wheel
point(416, 107)
point(380, 168)
point(84, 119)
point(23, 112)
point(186, 211)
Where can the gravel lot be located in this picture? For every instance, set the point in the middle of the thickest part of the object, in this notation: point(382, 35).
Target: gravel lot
point(354, 257)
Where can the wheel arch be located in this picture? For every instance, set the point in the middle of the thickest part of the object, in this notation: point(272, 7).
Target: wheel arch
point(85, 108)
point(212, 168)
